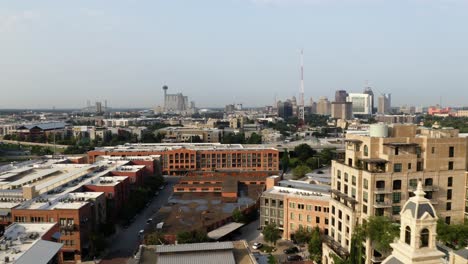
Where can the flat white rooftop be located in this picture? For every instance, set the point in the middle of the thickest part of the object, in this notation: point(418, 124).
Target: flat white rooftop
point(298, 193)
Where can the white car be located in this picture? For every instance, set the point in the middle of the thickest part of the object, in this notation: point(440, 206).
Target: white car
point(141, 232)
point(257, 245)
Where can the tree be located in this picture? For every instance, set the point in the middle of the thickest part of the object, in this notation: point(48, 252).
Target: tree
point(381, 231)
point(357, 248)
point(326, 155)
point(255, 139)
point(238, 216)
point(313, 163)
point(315, 246)
point(303, 152)
point(155, 238)
point(271, 233)
point(300, 171)
point(294, 162)
point(285, 161)
point(271, 259)
point(302, 235)
point(453, 235)
point(196, 236)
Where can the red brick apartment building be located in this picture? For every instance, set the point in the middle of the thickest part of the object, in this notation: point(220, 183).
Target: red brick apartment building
point(184, 158)
point(75, 225)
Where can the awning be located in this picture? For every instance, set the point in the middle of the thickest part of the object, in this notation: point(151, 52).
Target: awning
point(224, 230)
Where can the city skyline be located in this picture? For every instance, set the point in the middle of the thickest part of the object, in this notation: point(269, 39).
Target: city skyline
point(63, 54)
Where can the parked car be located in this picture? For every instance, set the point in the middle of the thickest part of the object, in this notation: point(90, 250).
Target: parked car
point(291, 250)
point(149, 220)
point(257, 245)
point(141, 232)
point(294, 258)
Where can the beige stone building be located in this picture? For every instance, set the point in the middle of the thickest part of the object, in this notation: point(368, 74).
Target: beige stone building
point(381, 170)
point(290, 208)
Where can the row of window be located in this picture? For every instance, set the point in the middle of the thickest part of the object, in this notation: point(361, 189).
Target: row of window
point(308, 217)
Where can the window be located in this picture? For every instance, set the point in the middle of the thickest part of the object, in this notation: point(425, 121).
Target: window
point(413, 183)
point(338, 174)
point(428, 182)
point(449, 194)
point(353, 193)
point(428, 195)
point(380, 184)
point(450, 181)
point(364, 197)
point(366, 184)
point(300, 217)
point(396, 197)
point(451, 151)
point(397, 185)
point(333, 209)
point(317, 219)
point(397, 167)
point(424, 238)
point(433, 150)
point(450, 165)
point(447, 220)
point(338, 186)
point(408, 235)
point(409, 166)
point(397, 151)
point(419, 166)
point(364, 209)
point(448, 206)
point(309, 218)
point(366, 150)
point(346, 177)
point(396, 209)
point(340, 214)
point(353, 180)
point(292, 216)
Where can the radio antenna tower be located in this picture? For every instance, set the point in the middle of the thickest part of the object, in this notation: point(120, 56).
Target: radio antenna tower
point(301, 114)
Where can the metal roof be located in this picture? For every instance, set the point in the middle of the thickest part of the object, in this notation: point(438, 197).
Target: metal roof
point(41, 252)
point(45, 126)
point(216, 257)
point(224, 230)
point(194, 247)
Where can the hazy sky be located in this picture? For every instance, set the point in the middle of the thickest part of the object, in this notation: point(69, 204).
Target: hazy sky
point(61, 53)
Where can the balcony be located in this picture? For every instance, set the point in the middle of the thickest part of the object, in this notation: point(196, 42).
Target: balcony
point(376, 259)
point(382, 191)
point(335, 246)
point(382, 204)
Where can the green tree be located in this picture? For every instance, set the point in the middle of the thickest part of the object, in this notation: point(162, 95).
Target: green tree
point(303, 152)
point(302, 235)
point(453, 235)
point(271, 233)
point(326, 155)
point(285, 161)
point(313, 163)
point(381, 231)
point(196, 236)
point(294, 162)
point(358, 237)
point(300, 171)
point(155, 238)
point(238, 216)
point(315, 246)
point(271, 259)
point(255, 139)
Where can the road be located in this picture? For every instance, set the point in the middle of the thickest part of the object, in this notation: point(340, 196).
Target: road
point(125, 243)
point(33, 143)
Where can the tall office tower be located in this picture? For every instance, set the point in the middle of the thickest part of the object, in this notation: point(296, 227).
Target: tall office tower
point(341, 109)
point(313, 106)
point(380, 172)
point(301, 110)
point(340, 96)
point(99, 108)
point(285, 109)
point(323, 106)
point(294, 105)
point(368, 90)
point(362, 103)
point(385, 104)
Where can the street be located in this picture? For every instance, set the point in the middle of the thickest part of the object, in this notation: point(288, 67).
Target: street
point(126, 241)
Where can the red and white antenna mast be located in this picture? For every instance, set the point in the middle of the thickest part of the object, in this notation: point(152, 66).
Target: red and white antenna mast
point(301, 97)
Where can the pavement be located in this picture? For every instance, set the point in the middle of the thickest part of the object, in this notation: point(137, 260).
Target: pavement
point(125, 242)
point(251, 234)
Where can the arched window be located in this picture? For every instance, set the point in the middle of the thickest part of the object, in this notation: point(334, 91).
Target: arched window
point(408, 235)
point(366, 150)
point(424, 238)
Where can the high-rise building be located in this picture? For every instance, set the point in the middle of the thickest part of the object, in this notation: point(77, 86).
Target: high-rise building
point(381, 170)
point(294, 105)
point(323, 106)
point(362, 103)
point(369, 91)
point(285, 109)
point(340, 96)
point(175, 102)
point(313, 106)
point(385, 104)
point(342, 110)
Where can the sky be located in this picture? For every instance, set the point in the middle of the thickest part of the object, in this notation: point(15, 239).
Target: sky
point(62, 53)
